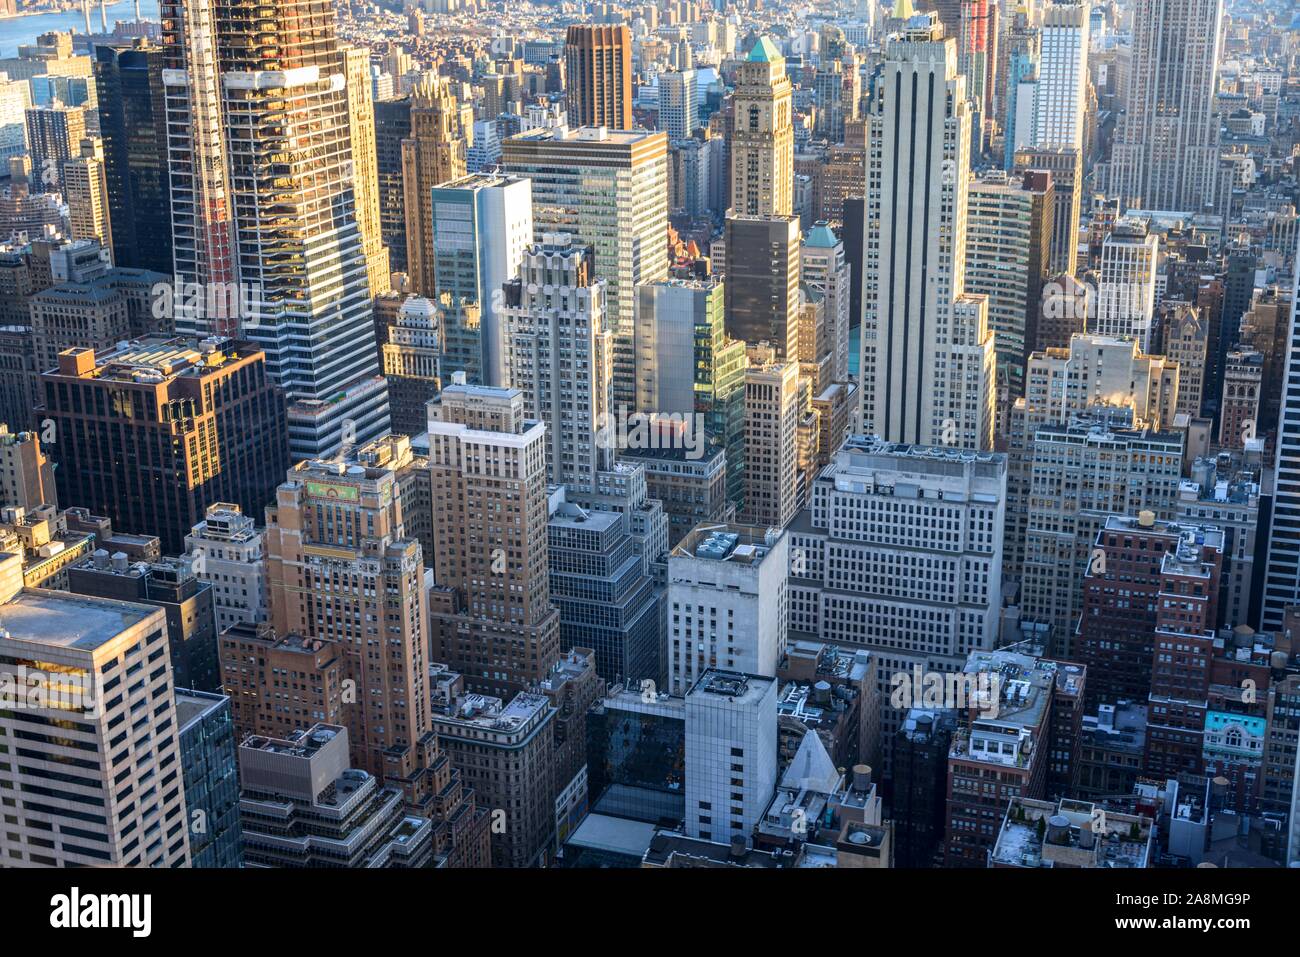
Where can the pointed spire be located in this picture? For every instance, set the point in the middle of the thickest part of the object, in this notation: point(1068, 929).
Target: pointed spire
point(903, 10)
point(764, 51)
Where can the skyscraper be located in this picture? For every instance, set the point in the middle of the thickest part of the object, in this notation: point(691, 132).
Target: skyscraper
point(677, 116)
point(261, 138)
point(868, 582)
point(90, 306)
point(492, 618)
point(507, 747)
point(303, 803)
point(1008, 234)
point(482, 224)
point(1059, 105)
point(207, 741)
point(1065, 167)
point(81, 640)
point(982, 773)
point(1166, 149)
point(171, 584)
point(341, 568)
point(230, 553)
point(598, 75)
point(761, 267)
point(728, 602)
point(667, 316)
point(727, 791)
point(1126, 292)
point(86, 190)
point(346, 575)
point(412, 364)
point(434, 154)
point(1059, 102)
point(1282, 581)
point(133, 124)
point(977, 46)
point(560, 356)
point(688, 365)
point(772, 415)
point(152, 433)
point(1186, 341)
point(609, 190)
point(201, 205)
point(392, 127)
point(15, 98)
point(1021, 50)
point(1132, 590)
point(927, 359)
point(604, 599)
point(1082, 472)
point(1065, 383)
point(836, 91)
point(825, 269)
point(26, 473)
point(53, 137)
point(762, 142)
point(365, 171)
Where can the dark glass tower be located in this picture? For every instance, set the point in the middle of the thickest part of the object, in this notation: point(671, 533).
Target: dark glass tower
point(208, 769)
point(133, 127)
point(392, 125)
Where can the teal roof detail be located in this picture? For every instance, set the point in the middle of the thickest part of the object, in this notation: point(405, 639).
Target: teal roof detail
point(821, 236)
point(764, 51)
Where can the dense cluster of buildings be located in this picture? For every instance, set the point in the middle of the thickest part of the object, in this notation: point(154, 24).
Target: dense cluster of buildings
point(662, 434)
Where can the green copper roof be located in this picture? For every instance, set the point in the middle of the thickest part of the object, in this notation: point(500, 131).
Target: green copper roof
point(764, 51)
point(903, 10)
point(821, 236)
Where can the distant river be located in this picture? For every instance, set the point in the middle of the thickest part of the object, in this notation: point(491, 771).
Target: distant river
point(19, 30)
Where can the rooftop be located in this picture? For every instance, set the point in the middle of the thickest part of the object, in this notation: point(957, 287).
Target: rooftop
point(613, 835)
point(872, 444)
point(829, 661)
point(821, 236)
point(815, 705)
point(921, 723)
point(1117, 727)
point(764, 51)
point(492, 714)
point(481, 180)
point(1190, 538)
point(156, 358)
point(568, 515)
point(669, 849)
point(702, 459)
point(63, 620)
point(735, 686)
point(300, 744)
point(1071, 834)
point(193, 705)
point(1005, 732)
point(740, 544)
point(588, 136)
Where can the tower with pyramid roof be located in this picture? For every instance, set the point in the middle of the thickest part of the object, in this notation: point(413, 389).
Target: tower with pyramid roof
point(762, 146)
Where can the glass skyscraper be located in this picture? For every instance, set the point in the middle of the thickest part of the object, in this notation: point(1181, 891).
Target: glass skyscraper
point(208, 768)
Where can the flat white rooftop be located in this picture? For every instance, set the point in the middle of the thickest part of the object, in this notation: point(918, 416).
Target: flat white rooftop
point(63, 620)
point(604, 833)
